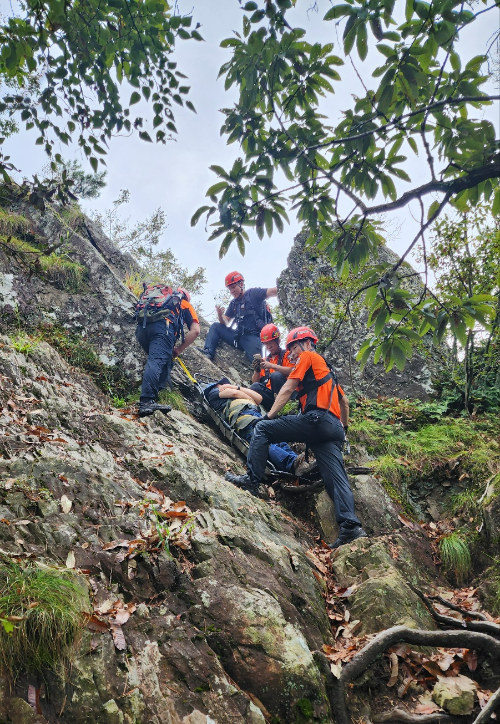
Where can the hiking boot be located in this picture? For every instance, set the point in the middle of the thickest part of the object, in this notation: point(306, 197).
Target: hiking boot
point(243, 482)
point(347, 535)
point(208, 354)
point(149, 408)
point(301, 467)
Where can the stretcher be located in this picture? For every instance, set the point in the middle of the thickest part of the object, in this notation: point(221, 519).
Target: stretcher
point(288, 482)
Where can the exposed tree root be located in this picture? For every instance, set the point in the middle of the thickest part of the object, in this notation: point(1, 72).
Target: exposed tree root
point(401, 634)
point(483, 626)
point(401, 715)
point(491, 706)
point(454, 607)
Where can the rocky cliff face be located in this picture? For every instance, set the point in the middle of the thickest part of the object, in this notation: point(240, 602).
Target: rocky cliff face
point(310, 293)
point(208, 605)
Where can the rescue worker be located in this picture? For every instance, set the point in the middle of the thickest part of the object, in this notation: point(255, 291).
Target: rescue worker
point(321, 424)
point(270, 374)
point(242, 415)
point(248, 308)
point(157, 338)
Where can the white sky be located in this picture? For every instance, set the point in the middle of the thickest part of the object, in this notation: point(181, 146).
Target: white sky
point(175, 176)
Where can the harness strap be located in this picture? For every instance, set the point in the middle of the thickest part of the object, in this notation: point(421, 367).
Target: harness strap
point(318, 383)
point(265, 378)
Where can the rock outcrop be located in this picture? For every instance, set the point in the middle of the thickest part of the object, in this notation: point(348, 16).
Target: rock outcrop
point(226, 612)
point(310, 293)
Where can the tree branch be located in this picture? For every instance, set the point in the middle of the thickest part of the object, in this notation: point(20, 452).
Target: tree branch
point(405, 116)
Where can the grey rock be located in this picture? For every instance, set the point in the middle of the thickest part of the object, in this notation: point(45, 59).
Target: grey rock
point(455, 694)
point(309, 293)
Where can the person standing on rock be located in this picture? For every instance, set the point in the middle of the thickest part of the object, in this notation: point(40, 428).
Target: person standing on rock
point(249, 310)
point(270, 374)
point(321, 424)
point(162, 313)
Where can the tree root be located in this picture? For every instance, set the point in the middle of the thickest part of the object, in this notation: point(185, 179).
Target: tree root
point(364, 658)
point(404, 716)
point(454, 607)
point(491, 706)
point(483, 626)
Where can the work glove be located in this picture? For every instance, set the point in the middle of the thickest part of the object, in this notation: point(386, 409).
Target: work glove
point(257, 360)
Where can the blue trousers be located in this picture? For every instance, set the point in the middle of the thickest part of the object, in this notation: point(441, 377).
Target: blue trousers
point(157, 340)
point(326, 440)
point(249, 343)
point(280, 454)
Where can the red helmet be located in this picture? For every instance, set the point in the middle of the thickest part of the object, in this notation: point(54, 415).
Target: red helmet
point(233, 277)
point(269, 332)
point(187, 295)
point(300, 333)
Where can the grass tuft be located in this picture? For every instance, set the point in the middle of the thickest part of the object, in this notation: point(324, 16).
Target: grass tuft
point(47, 607)
point(56, 268)
point(174, 399)
point(134, 281)
point(455, 556)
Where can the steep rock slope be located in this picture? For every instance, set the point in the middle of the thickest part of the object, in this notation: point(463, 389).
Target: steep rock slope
point(223, 612)
point(238, 615)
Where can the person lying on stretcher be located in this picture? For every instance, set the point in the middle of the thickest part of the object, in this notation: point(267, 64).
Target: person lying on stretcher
point(239, 407)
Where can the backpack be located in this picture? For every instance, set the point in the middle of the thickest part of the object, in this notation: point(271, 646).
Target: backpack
point(160, 302)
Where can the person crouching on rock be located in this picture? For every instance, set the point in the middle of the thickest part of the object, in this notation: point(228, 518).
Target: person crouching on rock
point(249, 310)
point(240, 408)
point(161, 314)
point(270, 374)
point(321, 424)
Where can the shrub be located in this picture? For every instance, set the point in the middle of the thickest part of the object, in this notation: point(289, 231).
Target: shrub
point(48, 607)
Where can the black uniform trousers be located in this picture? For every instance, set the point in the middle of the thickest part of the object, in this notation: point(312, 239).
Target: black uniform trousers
point(324, 434)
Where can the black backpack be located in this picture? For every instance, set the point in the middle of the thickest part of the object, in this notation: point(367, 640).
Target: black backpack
point(158, 301)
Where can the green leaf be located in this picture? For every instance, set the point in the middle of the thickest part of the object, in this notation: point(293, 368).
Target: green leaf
point(495, 209)
point(216, 188)
point(94, 163)
point(363, 356)
point(196, 216)
point(432, 209)
point(399, 357)
point(362, 41)
point(144, 136)
point(338, 11)
point(134, 98)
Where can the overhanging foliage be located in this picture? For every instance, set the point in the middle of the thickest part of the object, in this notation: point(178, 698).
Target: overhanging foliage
point(423, 99)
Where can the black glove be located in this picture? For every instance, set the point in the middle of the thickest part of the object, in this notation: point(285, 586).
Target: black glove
point(257, 359)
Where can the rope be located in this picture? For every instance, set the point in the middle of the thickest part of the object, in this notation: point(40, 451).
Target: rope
point(188, 373)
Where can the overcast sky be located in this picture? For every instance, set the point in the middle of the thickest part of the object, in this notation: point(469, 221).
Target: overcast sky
point(175, 176)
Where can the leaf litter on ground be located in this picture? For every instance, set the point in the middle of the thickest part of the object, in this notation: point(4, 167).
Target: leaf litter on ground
point(405, 665)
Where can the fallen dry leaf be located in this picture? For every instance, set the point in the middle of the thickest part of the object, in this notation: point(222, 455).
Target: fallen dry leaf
point(336, 669)
point(95, 624)
point(118, 637)
point(394, 670)
point(66, 504)
point(70, 560)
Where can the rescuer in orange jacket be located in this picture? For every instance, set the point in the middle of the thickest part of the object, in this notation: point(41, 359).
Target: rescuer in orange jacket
point(321, 424)
point(270, 374)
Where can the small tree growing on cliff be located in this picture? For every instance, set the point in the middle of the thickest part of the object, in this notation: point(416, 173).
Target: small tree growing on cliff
point(141, 240)
point(422, 100)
